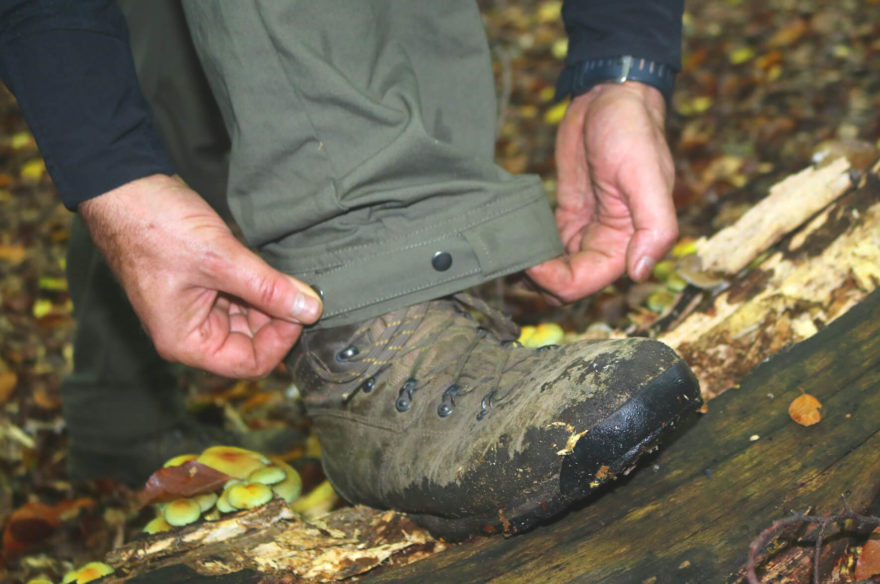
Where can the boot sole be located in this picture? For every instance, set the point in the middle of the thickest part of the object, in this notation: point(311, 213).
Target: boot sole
point(609, 450)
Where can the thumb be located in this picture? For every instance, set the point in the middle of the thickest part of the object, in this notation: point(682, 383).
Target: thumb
point(244, 274)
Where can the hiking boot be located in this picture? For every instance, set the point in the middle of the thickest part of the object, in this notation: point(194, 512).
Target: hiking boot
point(132, 460)
point(437, 411)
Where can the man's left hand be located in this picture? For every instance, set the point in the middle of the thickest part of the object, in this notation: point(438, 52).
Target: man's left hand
point(615, 175)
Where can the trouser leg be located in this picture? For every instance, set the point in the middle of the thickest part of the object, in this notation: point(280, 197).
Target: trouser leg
point(362, 148)
point(120, 388)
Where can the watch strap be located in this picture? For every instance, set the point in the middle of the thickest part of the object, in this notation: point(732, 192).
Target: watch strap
point(581, 77)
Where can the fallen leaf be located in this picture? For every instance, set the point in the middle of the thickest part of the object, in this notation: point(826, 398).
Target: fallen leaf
point(869, 560)
point(32, 170)
point(184, 480)
point(805, 410)
point(13, 254)
point(8, 380)
point(32, 523)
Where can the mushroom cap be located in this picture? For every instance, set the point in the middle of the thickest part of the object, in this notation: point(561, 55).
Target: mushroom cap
point(157, 525)
point(39, 580)
point(248, 495)
point(222, 504)
point(291, 487)
point(182, 512)
point(87, 573)
point(179, 459)
point(232, 460)
point(206, 500)
point(268, 475)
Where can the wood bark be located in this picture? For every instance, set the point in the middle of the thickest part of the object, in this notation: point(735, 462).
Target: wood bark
point(686, 515)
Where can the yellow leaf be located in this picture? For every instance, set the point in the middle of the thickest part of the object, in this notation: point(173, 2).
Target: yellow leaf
point(560, 48)
point(53, 284)
point(550, 11)
point(804, 410)
point(32, 170)
point(696, 105)
point(555, 114)
point(741, 55)
point(13, 254)
point(685, 246)
point(22, 140)
point(546, 94)
point(42, 307)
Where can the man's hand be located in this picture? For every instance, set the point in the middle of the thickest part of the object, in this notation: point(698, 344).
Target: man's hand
point(204, 298)
point(615, 177)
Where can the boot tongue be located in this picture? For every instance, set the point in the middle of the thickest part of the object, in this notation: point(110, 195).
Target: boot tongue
point(502, 325)
point(332, 345)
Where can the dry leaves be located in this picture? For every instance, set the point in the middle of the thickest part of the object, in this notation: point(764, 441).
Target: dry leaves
point(805, 410)
point(869, 560)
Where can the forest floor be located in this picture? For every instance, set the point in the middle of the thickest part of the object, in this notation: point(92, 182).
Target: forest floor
point(765, 85)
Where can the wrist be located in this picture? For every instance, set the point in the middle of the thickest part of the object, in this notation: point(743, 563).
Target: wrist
point(581, 77)
point(610, 92)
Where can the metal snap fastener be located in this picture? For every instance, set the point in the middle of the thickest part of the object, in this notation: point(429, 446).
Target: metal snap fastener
point(318, 291)
point(441, 261)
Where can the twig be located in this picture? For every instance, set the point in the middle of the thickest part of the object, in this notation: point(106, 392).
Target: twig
point(861, 523)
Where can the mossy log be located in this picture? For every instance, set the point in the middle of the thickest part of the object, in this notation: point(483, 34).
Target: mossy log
point(688, 514)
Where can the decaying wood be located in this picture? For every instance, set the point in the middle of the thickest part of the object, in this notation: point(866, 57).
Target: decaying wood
point(810, 279)
point(688, 515)
point(272, 541)
point(790, 203)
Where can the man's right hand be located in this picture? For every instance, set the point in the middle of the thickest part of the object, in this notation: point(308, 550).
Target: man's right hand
point(204, 298)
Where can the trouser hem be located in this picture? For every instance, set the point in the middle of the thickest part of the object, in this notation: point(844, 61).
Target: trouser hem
point(512, 233)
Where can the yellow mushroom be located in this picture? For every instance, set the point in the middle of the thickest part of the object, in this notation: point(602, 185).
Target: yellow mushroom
point(182, 512)
point(291, 487)
point(232, 460)
point(268, 475)
point(157, 525)
point(248, 495)
point(87, 573)
point(179, 459)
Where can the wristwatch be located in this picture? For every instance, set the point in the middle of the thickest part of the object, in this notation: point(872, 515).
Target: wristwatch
point(581, 77)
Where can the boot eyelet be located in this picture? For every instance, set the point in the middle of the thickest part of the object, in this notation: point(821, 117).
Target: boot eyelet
point(448, 404)
point(347, 353)
point(368, 385)
point(404, 398)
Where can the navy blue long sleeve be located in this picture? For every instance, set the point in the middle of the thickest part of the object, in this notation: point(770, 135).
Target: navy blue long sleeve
point(70, 67)
point(649, 29)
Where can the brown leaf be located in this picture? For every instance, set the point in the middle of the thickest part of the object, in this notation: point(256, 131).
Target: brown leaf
point(32, 523)
point(805, 410)
point(869, 560)
point(8, 380)
point(185, 480)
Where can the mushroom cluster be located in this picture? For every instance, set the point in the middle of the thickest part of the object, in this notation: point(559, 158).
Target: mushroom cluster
point(255, 481)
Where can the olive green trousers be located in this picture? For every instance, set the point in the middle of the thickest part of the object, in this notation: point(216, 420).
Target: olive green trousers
point(355, 152)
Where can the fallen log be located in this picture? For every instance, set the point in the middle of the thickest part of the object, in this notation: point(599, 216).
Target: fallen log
point(687, 515)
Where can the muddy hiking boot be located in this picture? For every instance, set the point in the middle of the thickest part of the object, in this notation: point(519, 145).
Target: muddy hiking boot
point(437, 411)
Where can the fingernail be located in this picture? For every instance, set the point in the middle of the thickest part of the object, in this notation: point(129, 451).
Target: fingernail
point(643, 268)
point(306, 308)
